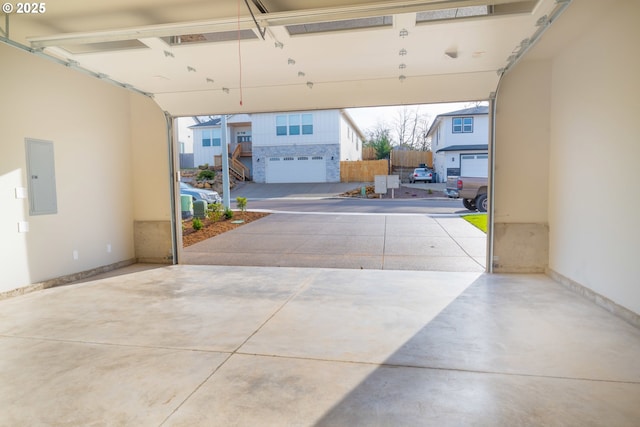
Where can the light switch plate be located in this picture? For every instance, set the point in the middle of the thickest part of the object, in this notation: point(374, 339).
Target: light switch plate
point(23, 227)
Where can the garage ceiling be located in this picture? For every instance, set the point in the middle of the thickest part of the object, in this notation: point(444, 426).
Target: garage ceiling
point(204, 57)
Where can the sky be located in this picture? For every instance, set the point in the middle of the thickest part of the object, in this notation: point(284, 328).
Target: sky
point(368, 118)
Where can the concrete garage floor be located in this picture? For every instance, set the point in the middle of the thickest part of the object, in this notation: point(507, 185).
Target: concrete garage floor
point(268, 346)
point(374, 241)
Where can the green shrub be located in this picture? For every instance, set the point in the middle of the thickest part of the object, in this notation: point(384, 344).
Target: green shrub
point(197, 224)
point(242, 203)
point(205, 175)
point(228, 213)
point(215, 211)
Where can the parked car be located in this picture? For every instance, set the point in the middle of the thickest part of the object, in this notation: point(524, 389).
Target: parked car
point(421, 174)
point(208, 196)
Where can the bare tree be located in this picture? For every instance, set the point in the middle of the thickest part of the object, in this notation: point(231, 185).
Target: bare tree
point(421, 133)
point(411, 129)
point(379, 131)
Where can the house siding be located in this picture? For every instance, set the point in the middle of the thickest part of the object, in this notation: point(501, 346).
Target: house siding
point(350, 144)
point(202, 155)
point(479, 135)
point(325, 129)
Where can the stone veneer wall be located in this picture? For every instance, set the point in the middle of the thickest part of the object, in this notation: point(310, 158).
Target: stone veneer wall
point(260, 154)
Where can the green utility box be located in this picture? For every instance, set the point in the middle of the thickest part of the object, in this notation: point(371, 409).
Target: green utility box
point(200, 209)
point(186, 206)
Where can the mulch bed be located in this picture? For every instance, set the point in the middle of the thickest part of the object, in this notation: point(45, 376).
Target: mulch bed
point(212, 229)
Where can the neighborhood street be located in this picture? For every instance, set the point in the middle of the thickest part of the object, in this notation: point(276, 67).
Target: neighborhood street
point(346, 205)
point(325, 198)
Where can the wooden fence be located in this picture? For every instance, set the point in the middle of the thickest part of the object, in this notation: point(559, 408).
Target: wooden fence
point(404, 158)
point(363, 171)
point(368, 153)
point(411, 159)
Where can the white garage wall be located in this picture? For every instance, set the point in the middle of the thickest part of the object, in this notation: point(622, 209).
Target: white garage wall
point(594, 153)
point(151, 182)
point(522, 138)
point(90, 124)
point(521, 172)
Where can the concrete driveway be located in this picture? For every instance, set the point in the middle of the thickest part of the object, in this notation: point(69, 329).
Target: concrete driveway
point(416, 242)
point(382, 242)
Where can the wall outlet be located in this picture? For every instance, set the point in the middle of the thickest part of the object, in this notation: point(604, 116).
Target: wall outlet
point(75, 255)
point(23, 227)
point(108, 248)
point(21, 193)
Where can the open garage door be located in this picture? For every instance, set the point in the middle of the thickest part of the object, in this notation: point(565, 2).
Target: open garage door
point(302, 169)
point(474, 165)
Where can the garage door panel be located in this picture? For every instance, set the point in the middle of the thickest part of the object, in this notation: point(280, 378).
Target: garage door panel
point(296, 169)
point(474, 165)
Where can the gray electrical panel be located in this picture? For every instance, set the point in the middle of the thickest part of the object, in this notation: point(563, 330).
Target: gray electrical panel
point(41, 177)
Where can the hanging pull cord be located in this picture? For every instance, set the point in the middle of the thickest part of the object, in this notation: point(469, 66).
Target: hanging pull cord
point(239, 54)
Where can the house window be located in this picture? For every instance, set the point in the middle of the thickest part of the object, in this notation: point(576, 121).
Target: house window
point(245, 138)
point(216, 139)
point(294, 124)
point(211, 138)
point(462, 124)
point(281, 125)
point(307, 124)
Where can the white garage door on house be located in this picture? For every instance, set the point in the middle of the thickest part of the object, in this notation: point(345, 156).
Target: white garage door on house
point(474, 165)
point(296, 169)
